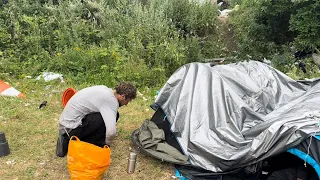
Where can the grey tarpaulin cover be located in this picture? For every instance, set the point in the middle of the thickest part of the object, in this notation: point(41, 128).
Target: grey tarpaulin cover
point(229, 116)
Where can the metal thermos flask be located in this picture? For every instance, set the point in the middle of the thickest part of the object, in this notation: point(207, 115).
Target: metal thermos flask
point(132, 162)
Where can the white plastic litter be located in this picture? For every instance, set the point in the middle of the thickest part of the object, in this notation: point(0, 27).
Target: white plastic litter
point(49, 76)
point(225, 12)
point(10, 162)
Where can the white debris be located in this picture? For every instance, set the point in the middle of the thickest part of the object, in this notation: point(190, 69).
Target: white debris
point(10, 162)
point(55, 91)
point(225, 12)
point(48, 76)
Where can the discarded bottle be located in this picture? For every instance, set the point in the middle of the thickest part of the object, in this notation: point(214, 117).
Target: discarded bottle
point(132, 162)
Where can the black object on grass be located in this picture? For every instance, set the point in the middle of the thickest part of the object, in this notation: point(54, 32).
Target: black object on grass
point(43, 104)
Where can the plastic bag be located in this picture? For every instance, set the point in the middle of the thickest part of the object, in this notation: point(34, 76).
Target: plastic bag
point(87, 161)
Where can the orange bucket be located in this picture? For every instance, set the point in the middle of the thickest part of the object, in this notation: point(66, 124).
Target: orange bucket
point(67, 94)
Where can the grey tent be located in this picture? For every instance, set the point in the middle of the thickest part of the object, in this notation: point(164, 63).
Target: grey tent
point(231, 116)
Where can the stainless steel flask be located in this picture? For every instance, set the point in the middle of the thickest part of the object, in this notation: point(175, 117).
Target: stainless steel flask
point(132, 162)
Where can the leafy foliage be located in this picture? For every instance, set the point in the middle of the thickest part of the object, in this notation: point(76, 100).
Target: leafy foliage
point(306, 24)
point(145, 41)
point(105, 41)
point(264, 27)
point(276, 30)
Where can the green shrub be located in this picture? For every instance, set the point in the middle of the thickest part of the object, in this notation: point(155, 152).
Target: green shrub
point(275, 30)
point(105, 41)
point(262, 27)
point(305, 23)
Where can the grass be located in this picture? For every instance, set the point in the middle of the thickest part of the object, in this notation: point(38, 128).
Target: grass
point(32, 132)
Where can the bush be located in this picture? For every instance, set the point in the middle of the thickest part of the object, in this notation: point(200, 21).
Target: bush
point(102, 42)
point(264, 27)
point(305, 23)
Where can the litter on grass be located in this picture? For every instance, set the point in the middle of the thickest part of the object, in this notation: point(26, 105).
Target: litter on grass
point(49, 76)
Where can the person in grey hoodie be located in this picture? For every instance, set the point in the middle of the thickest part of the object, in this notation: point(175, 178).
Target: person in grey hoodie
point(91, 115)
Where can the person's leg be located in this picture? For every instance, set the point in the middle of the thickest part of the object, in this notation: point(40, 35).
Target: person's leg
point(92, 130)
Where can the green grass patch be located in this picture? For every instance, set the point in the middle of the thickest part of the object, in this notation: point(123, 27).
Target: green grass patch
point(32, 132)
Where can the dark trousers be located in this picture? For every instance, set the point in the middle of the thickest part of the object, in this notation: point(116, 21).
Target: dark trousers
point(92, 130)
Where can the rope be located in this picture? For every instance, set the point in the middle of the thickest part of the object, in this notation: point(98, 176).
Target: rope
point(66, 131)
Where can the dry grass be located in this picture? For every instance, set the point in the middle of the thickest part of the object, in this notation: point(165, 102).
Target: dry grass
point(32, 133)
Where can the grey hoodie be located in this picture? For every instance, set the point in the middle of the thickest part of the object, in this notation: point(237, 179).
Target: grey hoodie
point(89, 100)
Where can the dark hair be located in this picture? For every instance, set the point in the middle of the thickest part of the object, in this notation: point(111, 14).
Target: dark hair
point(127, 89)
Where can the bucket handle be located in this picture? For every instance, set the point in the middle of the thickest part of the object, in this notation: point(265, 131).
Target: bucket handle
point(77, 139)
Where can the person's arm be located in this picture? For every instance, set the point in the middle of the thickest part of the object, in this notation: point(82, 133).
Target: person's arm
point(109, 116)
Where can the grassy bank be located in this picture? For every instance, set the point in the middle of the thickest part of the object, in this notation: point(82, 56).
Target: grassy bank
point(32, 132)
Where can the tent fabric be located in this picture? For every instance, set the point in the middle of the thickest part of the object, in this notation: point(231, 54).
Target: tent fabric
point(308, 150)
point(152, 140)
point(230, 116)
